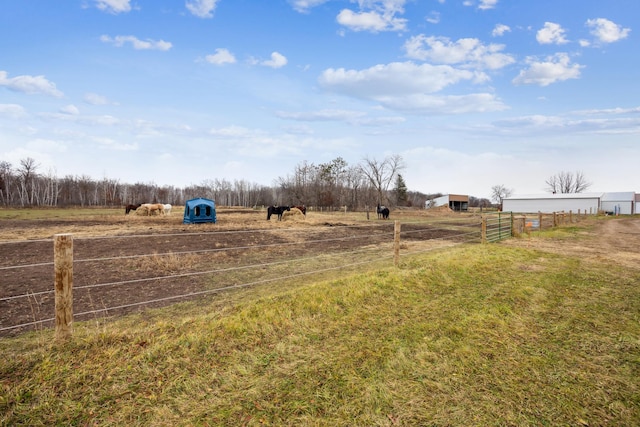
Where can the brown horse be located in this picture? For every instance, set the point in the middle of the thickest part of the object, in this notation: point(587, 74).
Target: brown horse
point(302, 209)
point(130, 208)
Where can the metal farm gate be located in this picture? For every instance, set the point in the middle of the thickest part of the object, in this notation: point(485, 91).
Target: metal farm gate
point(497, 227)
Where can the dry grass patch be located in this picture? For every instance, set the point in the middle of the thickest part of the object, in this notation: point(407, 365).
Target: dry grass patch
point(471, 336)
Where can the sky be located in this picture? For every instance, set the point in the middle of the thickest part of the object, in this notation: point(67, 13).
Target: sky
point(470, 93)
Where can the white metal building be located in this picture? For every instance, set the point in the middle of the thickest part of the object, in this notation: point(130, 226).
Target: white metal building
point(622, 203)
point(549, 203)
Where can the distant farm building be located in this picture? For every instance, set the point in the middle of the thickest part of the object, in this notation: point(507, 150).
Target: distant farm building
point(623, 203)
point(455, 202)
point(619, 203)
point(199, 210)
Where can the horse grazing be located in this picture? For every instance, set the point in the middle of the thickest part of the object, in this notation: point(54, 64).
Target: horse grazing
point(277, 210)
point(130, 208)
point(302, 209)
point(151, 208)
point(159, 207)
point(167, 209)
point(383, 212)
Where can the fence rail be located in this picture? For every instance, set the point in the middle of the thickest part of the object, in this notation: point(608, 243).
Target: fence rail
point(503, 225)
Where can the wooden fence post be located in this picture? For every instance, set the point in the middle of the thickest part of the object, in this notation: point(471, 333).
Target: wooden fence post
point(396, 243)
point(512, 230)
point(63, 282)
point(483, 230)
point(539, 221)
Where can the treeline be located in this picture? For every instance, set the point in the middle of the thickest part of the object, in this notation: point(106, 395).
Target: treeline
point(330, 185)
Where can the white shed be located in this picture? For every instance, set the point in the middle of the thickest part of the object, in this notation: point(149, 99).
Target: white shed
point(622, 203)
point(548, 203)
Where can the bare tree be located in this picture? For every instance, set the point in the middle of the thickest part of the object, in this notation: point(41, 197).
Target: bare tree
point(382, 173)
point(299, 188)
point(499, 193)
point(567, 182)
point(27, 174)
point(6, 179)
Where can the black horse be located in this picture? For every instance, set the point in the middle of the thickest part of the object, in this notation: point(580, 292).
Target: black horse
point(383, 212)
point(130, 208)
point(277, 210)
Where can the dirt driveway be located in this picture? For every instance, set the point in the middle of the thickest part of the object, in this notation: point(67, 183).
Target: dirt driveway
point(611, 240)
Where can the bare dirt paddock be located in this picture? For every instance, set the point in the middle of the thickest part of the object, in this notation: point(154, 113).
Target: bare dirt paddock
point(127, 263)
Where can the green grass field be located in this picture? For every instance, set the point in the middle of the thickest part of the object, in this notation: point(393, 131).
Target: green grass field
point(477, 335)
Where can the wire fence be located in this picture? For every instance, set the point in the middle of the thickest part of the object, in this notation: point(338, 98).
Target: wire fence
point(120, 274)
point(117, 275)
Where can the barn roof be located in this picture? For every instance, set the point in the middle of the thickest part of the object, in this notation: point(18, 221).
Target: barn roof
point(557, 196)
point(622, 196)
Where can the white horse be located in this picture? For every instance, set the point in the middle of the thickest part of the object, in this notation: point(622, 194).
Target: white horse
point(167, 209)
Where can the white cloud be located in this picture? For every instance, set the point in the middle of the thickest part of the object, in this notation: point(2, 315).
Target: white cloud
point(554, 69)
point(487, 4)
point(374, 16)
point(433, 17)
point(464, 51)
point(103, 120)
point(348, 116)
point(221, 57)
point(370, 21)
point(322, 115)
point(452, 104)
point(551, 33)
point(303, 6)
point(70, 109)
point(13, 111)
point(114, 145)
point(608, 111)
point(484, 4)
point(499, 30)
point(409, 87)
point(612, 122)
point(397, 78)
point(235, 132)
point(607, 31)
point(114, 6)
point(46, 145)
point(277, 61)
point(30, 85)
point(136, 43)
point(201, 8)
point(95, 99)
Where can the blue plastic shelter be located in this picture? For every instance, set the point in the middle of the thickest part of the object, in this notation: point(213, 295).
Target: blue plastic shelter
point(199, 210)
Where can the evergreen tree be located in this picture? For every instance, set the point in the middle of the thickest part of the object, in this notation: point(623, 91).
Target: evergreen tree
point(400, 191)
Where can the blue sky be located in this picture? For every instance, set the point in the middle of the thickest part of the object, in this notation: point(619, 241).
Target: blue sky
point(471, 93)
